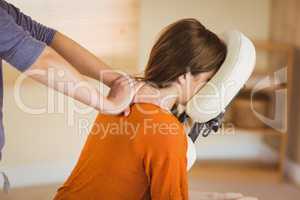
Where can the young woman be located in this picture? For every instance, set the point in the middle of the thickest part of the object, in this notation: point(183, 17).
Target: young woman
point(143, 155)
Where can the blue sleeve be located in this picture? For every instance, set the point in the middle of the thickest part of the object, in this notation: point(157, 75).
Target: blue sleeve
point(36, 30)
point(17, 46)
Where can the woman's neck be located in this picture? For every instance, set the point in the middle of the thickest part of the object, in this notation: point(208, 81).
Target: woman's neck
point(162, 97)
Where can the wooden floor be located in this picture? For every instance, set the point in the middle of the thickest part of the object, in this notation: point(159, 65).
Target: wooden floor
point(251, 181)
point(258, 181)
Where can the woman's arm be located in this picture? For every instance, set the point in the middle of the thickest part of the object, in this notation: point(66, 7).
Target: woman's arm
point(83, 60)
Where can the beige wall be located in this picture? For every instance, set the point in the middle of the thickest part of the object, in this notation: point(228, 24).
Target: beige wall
point(107, 28)
point(248, 16)
point(285, 21)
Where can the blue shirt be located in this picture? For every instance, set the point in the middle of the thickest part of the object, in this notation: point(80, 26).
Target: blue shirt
point(22, 40)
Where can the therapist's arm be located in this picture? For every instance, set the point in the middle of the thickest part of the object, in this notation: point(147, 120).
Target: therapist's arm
point(79, 57)
point(59, 75)
point(83, 60)
point(31, 56)
point(37, 30)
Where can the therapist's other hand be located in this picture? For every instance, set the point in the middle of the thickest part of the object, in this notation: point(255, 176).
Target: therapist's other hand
point(121, 94)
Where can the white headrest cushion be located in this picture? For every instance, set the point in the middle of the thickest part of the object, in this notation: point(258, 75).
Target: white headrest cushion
point(239, 63)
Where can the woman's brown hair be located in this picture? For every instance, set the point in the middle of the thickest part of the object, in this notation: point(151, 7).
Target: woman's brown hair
point(186, 46)
point(183, 46)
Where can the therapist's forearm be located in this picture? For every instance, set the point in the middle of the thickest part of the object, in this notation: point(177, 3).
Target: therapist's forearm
point(83, 60)
point(59, 75)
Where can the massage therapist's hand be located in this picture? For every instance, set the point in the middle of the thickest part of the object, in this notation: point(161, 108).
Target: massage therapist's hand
point(121, 94)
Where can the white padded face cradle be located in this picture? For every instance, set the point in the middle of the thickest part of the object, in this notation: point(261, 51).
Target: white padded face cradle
point(214, 97)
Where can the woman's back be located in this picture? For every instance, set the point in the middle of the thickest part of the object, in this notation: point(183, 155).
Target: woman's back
point(142, 156)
